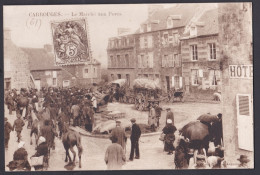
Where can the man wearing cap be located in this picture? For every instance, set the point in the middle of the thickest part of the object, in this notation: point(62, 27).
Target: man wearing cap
point(243, 161)
point(20, 159)
point(152, 118)
point(8, 129)
point(75, 110)
point(119, 133)
point(115, 156)
point(169, 115)
point(18, 126)
point(135, 135)
point(158, 111)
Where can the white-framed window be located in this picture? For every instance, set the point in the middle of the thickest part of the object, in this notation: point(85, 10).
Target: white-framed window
point(150, 41)
point(150, 59)
point(193, 30)
point(127, 41)
point(169, 23)
point(54, 74)
point(47, 72)
point(66, 83)
point(212, 51)
point(165, 38)
point(194, 52)
point(54, 81)
point(214, 77)
point(176, 60)
point(195, 77)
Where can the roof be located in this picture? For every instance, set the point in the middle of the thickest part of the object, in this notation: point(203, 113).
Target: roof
point(209, 24)
point(210, 18)
point(185, 11)
point(40, 59)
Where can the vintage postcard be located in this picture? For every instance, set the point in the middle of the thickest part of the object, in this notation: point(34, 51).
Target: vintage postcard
point(116, 87)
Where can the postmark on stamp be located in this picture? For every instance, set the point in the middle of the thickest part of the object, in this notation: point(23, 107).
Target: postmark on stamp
point(70, 41)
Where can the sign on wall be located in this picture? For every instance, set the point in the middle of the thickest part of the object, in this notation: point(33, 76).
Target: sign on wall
point(70, 41)
point(241, 71)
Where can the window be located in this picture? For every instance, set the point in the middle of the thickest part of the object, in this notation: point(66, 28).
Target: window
point(127, 41)
point(118, 61)
point(193, 30)
point(66, 83)
point(194, 52)
point(54, 81)
point(150, 42)
point(212, 51)
point(169, 23)
point(165, 37)
point(194, 77)
point(165, 58)
point(146, 75)
point(214, 77)
point(145, 42)
point(94, 70)
point(176, 60)
point(112, 76)
point(149, 28)
point(119, 43)
point(111, 62)
point(119, 76)
point(86, 71)
point(127, 60)
point(111, 43)
point(143, 61)
point(150, 59)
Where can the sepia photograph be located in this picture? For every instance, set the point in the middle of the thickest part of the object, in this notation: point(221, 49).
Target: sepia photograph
point(128, 87)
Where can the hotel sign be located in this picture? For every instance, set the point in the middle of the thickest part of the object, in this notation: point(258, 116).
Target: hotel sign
point(241, 71)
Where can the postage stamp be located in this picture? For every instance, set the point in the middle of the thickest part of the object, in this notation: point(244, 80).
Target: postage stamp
point(70, 42)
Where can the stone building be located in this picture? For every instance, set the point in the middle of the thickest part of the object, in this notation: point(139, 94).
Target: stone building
point(43, 69)
point(156, 45)
point(235, 36)
point(46, 74)
point(121, 58)
point(16, 65)
point(200, 56)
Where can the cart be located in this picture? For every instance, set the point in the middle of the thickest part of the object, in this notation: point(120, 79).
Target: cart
point(145, 91)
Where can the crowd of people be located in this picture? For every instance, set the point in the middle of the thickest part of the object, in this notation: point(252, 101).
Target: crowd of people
point(56, 108)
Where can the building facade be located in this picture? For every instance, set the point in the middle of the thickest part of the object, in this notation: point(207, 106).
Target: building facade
point(16, 65)
point(235, 36)
point(121, 58)
point(156, 46)
point(200, 57)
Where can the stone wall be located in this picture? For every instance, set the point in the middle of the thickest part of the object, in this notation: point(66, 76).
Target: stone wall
point(16, 64)
point(235, 36)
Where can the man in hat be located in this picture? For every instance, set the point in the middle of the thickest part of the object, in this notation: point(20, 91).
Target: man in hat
point(169, 115)
point(243, 161)
point(18, 126)
point(88, 115)
point(158, 111)
point(115, 156)
point(135, 135)
point(152, 118)
point(75, 111)
point(8, 129)
point(119, 133)
point(94, 103)
point(20, 159)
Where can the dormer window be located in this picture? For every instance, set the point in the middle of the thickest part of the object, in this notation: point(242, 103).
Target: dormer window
point(141, 29)
point(193, 30)
point(169, 23)
point(149, 27)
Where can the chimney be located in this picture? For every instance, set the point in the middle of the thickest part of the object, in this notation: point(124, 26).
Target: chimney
point(7, 34)
point(153, 8)
point(48, 48)
point(121, 31)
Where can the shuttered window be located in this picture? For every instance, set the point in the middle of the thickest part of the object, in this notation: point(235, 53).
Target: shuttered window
point(243, 105)
point(245, 121)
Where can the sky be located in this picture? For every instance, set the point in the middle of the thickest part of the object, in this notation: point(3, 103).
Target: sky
point(28, 29)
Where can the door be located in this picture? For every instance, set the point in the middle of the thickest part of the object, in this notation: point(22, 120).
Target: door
point(7, 83)
point(37, 84)
point(245, 121)
point(167, 83)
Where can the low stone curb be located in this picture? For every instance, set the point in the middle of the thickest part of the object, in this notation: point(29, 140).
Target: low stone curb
point(85, 133)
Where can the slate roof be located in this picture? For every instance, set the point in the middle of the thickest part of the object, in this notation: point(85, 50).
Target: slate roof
point(210, 19)
point(186, 11)
point(40, 59)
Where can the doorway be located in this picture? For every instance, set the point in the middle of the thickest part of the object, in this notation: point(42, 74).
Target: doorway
point(167, 83)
